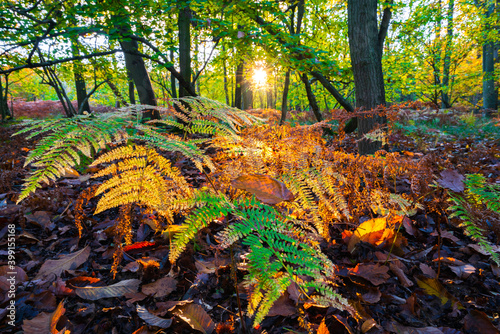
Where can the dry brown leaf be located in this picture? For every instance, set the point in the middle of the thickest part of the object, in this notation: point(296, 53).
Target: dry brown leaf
point(405, 281)
point(374, 273)
point(428, 271)
point(161, 288)
point(435, 288)
point(44, 322)
point(372, 296)
point(395, 327)
point(42, 219)
point(265, 188)
point(52, 269)
point(116, 290)
point(17, 272)
point(282, 306)
point(152, 319)
point(463, 271)
point(196, 317)
point(478, 322)
point(451, 179)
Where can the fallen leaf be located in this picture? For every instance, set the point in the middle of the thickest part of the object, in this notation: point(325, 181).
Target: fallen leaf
point(282, 306)
point(395, 327)
point(42, 219)
point(161, 288)
point(483, 251)
point(463, 271)
point(405, 281)
point(322, 329)
point(451, 179)
point(17, 272)
point(371, 231)
point(449, 260)
point(82, 281)
point(196, 317)
point(428, 271)
point(435, 288)
point(70, 173)
point(116, 290)
point(44, 322)
point(372, 296)
point(374, 273)
point(265, 188)
point(52, 269)
point(151, 319)
point(478, 322)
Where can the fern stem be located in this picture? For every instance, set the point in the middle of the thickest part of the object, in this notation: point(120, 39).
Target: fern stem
point(235, 279)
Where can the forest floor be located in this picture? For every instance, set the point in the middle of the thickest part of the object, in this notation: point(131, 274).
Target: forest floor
point(440, 281)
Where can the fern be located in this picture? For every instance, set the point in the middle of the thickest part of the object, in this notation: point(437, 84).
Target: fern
point(280, 251)
point(140, 176)
point(479, 195)
point(63, 142)
point(66, 138)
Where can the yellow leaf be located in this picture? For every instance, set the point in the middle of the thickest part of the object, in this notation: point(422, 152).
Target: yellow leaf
point(434, 288)
point(265, 188)
point(370, 229)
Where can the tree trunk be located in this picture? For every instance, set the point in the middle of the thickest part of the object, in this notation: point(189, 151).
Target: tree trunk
point(78, 69)
point(490, 92)
point(246, 92)
point(238, 86)
point(140, 77)
point(4, 106)
point(311, 98)
point(224, 67)
point(183, 23)
point(366, 60)
point(445, 89)
point(131, 88)
point(173, 86)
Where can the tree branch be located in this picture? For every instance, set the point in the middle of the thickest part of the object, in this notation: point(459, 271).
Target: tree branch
point(384, 26)
point(58, 61)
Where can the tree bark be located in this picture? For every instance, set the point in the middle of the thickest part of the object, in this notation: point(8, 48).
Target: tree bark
point(224, 67)
point(366, 60)
point(490, 92)
point(140, 77)
point(246, 92)
point(311, 98)
point(4, 106)
point(81, 89)
point(184, 21)
point(445, 90)
point(238, 86)
point(173, 85)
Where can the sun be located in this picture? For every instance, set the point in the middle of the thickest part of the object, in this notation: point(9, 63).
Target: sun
point(259, 77)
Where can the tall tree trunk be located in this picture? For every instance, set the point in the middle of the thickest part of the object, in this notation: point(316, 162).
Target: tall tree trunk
point(173, 86)
point(224, 67)
point(131, 88)
point(78, 69)
point(4, 106)
point(311, 98)
point(366, 60)
point(445, 89)
point(246, 91)
point(138, 72)
point(238, 86)
point(490, 92)
point(184, 21)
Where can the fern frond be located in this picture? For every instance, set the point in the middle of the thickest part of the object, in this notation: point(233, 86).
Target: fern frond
point(141, 176)
point(479, 196)
point(64, 140)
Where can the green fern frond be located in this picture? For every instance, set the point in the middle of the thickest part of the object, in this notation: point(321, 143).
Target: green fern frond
point(479, 195)
point(64, 139)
